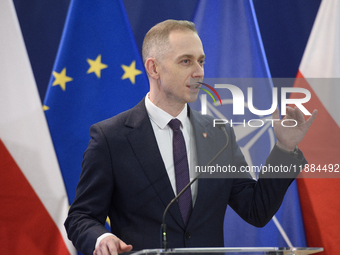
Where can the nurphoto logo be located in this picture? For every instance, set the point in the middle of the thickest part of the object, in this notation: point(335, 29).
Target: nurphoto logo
point(239, 102)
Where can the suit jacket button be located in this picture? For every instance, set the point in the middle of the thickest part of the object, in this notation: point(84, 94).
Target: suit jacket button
point(187, 235)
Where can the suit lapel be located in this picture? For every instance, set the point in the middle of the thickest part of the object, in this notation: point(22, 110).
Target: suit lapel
point(204, 136)
point(144, 144)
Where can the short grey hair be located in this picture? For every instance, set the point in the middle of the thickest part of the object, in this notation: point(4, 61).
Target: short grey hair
point(156, 41)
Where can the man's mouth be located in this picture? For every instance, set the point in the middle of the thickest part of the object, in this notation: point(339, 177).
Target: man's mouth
point(194, 86)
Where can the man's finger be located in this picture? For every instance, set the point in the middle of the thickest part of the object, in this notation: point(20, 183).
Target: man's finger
point(113, 249)
point(119, 247)
point(276, 114)
point(290, 112)
point(311, 118)
point(299, 115)
point(123, 247)
point(101, 250)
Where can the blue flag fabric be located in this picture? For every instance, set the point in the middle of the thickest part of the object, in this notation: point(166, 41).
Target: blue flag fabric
point(233, 49)
point(98, 73)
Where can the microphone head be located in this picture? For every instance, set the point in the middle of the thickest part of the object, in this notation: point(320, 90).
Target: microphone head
point(220, 126)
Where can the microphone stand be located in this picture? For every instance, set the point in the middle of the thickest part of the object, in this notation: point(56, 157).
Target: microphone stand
point(163, 226)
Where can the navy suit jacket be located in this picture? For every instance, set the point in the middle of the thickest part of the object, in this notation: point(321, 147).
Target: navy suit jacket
point(124, 177)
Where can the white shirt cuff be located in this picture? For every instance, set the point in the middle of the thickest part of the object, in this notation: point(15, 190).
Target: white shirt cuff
point(102, 237)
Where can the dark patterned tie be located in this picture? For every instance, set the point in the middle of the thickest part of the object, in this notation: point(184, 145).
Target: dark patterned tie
point(181, 169)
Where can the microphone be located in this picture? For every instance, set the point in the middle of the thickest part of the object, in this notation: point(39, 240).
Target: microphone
point(163, 226)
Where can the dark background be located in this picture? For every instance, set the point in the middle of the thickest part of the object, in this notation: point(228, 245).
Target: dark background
point(285, 27)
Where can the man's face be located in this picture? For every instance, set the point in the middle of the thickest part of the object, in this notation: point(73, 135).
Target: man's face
point(181, 67)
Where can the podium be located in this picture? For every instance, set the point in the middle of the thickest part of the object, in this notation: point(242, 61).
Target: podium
point(232, 251)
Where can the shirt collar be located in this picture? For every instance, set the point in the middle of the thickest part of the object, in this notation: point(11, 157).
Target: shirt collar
point(161, 117)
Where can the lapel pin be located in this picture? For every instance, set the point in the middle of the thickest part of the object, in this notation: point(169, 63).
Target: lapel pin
point(204, 135)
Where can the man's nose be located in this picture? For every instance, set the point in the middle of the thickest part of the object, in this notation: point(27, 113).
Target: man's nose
point(199, 71)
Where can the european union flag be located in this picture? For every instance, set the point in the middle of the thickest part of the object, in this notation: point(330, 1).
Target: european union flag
point(233, 49)
point(97, 74)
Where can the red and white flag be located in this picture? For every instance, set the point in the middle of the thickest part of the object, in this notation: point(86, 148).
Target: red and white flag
point(320, 74)
point(33, 199)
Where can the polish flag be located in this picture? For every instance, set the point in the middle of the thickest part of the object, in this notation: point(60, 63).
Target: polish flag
point(319, 73)
point(33, 199)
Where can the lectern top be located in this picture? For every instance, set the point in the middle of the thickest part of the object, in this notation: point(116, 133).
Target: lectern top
point(234, 250)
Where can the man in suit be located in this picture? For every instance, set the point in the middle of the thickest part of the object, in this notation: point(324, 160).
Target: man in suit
point(129, 168)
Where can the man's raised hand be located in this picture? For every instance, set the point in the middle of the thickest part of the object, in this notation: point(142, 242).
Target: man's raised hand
point(289, 137)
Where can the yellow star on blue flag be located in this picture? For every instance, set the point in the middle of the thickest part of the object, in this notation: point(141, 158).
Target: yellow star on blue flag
point(96, 65)
point(130, 72)
point(61, 79)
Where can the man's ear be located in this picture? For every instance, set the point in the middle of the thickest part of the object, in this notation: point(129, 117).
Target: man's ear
point(151, 68)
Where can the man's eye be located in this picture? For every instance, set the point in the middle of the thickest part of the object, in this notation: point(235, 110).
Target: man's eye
point(186, 61)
